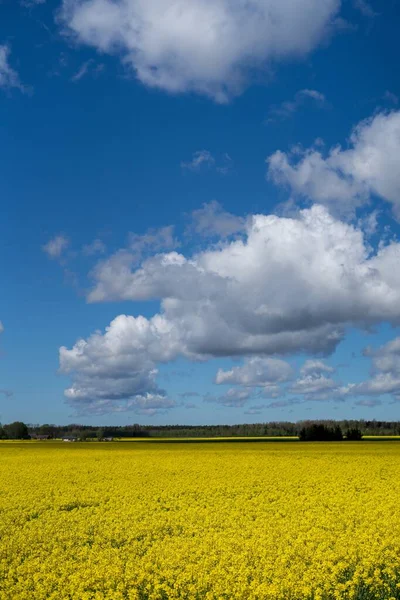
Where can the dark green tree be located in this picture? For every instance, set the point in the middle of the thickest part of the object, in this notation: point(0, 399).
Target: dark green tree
point(16, 431)
point(354, 434)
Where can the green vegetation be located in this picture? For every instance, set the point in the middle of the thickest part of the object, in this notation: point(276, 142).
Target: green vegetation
point(306, 430)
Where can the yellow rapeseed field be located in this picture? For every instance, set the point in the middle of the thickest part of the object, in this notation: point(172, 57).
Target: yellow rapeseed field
point(212, 521)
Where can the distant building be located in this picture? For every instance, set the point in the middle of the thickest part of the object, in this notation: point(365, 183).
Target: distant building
point(69, 439)
point(36, 436)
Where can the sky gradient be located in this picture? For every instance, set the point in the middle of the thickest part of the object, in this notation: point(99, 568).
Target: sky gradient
point(201, 204)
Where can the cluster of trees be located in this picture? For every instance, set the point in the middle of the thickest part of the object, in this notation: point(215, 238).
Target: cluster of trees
point(14, 431)
point(318, 432)
point(326, 430)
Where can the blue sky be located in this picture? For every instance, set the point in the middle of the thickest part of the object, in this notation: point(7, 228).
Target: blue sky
point(200, 210)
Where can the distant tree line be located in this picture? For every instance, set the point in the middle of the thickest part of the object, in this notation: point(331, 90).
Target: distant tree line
point(306, 430)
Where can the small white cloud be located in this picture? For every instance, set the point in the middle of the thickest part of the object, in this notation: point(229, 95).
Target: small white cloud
point(87, 67)
point(56, 246)
point(315, 368)
point(288, 108)
point(201, 158)
point(9, 78)
point(315, 387)
point(82, 71)
point(256, 371)
point(365, 8)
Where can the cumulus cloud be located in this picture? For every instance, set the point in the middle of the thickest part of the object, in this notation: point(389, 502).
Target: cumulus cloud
point(385, 372)
point(344, 179)
point(316, 387)
point(211, 220)
point(113, 273)
point(56, 247)
point(315, 368)
point(289, 107)
point(256, 371)
point(154, 240)
point(203, 46)
point(9, 78)
point(117, 370)
point(288, 285)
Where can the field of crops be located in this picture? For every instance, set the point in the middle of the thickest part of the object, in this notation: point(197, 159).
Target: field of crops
point(200, 521)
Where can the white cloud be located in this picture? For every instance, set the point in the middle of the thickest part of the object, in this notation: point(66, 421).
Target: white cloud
point(82, 71)
point(288, 108)
point(256, 371)
point(315, 367)
point(117, 369)
point(385, 371)
point(206, 46)
point(315, 386)
point(154, 240)
point(365, 8)
point(56, 247)
point(113, 274)
point(288, 276)
point(1, 327)
point(212, 220)
point(290, 285)
point(9, 78)
point(345, 179)
point(201, 158)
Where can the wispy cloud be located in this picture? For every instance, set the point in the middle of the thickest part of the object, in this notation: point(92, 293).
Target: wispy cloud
point(56, 246)
point(365, 8)
point(203, 160)
point(289, 107)
point(85, 68)
point(9, 78)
